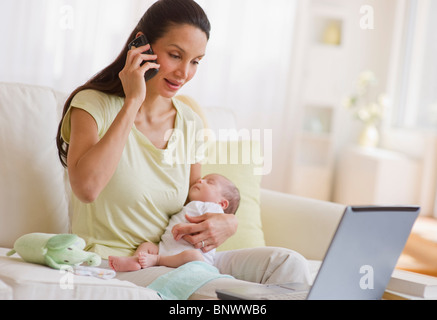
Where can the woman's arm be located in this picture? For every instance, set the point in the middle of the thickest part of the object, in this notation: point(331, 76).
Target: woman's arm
point(92, 161)
point(211, 228)
point(196, 173)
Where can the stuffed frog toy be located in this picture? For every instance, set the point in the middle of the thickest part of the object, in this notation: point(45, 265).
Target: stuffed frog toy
point(55, 251)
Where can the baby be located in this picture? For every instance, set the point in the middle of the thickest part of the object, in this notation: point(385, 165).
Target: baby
point(212, 194)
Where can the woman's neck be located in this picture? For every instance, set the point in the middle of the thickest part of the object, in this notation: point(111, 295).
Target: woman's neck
point(155, 106)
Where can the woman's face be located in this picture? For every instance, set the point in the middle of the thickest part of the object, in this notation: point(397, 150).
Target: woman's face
point(179, 53)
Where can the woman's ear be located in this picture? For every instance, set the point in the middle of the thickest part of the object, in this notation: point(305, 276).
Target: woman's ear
point(139, 34)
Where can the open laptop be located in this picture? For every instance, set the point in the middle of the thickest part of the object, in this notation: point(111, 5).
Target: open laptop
point(358, 264)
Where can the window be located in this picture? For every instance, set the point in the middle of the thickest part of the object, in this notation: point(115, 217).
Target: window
point(416, 98)
point(62, 43)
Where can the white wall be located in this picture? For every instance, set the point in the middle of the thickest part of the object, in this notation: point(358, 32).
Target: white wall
point(361, 49)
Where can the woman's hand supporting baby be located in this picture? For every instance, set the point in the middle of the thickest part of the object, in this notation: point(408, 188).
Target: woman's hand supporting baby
point(206, 232)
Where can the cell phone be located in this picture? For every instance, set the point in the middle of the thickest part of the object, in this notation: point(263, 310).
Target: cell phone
point(139, 42)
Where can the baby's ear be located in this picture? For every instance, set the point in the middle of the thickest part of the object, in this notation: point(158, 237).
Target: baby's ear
point(224, 204)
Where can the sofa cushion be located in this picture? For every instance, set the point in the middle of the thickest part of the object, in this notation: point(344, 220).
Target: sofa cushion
point(31, 281)
point(231, 153)
point(244, 172)
point(32, 190)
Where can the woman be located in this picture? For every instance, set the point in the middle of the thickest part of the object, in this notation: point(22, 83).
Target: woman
point(114, 139)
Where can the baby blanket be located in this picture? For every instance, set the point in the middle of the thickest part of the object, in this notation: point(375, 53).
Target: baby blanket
point(182, 282)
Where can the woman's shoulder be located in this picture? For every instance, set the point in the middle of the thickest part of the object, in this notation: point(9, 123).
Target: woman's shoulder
point(99, 104)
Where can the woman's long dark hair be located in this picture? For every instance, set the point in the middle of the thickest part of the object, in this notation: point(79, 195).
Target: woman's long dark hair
point(162, 15)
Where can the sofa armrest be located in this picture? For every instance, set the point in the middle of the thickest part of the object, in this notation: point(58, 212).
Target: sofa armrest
point(301, 224)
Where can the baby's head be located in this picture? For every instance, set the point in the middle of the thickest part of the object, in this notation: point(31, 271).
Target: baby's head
point(218, 189)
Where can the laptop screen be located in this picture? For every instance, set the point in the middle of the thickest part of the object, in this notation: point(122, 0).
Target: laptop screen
point(364, 252)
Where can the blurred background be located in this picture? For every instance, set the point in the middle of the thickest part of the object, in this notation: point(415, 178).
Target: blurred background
point(349, 87)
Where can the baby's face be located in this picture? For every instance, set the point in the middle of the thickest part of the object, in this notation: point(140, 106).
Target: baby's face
point(208, 189)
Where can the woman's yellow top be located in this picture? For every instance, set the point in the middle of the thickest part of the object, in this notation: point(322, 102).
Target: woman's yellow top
point(148, 187)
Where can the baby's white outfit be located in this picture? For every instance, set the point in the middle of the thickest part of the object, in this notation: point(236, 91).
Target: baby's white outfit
point(169, 246)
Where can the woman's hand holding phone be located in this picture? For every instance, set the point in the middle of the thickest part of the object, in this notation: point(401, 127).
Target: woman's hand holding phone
point(138, 62)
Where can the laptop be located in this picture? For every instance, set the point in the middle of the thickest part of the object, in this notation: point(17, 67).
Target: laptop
point(358, 263)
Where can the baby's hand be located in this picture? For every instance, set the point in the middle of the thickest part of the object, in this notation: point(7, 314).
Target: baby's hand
point(177, 230)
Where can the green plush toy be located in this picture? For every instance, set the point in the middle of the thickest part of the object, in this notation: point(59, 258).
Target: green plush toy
point(55, 251)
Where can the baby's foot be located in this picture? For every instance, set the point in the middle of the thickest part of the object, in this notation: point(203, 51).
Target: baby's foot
point(124, 264)
point(147, 260)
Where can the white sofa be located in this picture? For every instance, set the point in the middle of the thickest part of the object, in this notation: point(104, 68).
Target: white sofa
point(34, 198)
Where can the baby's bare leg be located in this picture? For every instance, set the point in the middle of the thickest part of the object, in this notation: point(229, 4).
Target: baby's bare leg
point(150, 260)
point(127, 264)
point(147, 260)
point(124, 264)
point(147, 247)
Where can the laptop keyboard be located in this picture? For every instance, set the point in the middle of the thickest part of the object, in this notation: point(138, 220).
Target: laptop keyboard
point(286, 296)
